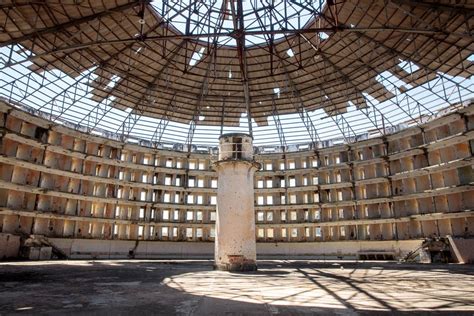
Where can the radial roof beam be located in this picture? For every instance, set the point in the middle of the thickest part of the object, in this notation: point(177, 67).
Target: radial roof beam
point(278, 126)
point(306, 119)
point(164, 121)
point(239, 35)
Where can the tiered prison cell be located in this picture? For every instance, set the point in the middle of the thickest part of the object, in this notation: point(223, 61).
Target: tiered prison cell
point(65, 184)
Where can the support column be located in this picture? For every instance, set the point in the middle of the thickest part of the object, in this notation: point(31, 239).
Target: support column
point(235, 245)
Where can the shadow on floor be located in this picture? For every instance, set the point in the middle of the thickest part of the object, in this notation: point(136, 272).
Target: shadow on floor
point(125, 287)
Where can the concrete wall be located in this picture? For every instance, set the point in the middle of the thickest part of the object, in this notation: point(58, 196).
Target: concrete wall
point(345, 249)
point(465, 249)
point(9, 246)
point(109, 249)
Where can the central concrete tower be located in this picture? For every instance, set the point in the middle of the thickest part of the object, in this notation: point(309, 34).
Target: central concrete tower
point(235, 246)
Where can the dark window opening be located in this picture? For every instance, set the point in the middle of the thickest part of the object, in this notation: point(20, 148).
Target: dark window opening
point(237, 148)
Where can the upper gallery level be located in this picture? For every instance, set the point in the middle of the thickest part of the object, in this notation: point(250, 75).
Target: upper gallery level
point(408, 184)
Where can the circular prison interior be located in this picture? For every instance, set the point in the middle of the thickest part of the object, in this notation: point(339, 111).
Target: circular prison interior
point(352, 120)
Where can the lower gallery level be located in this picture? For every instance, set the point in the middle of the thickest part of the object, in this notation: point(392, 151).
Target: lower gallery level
point(92, 197)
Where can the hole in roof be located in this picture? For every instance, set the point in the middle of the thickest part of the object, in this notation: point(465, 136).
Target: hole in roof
point(408, 66)
point(204, 18)
point(391, 82)
point(290, 52)
point(111, 100)
point(323, 35)
point(383, 78)
point(276, 91)
point(197, 56)
point(113, 81)
point(230, 74)
point(351, 106)
point(201, 118)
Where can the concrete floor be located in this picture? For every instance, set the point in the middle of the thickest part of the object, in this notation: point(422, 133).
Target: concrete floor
point(128, 287)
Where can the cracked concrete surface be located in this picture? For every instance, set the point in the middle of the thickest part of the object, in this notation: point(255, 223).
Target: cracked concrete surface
point(193, 288)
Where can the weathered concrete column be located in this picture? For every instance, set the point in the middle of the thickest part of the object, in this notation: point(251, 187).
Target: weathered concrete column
point(235, 248)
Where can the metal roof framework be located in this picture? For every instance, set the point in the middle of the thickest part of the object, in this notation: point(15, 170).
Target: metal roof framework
point(294, 69)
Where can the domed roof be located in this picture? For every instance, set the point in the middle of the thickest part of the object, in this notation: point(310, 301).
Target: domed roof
point(164, 70)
